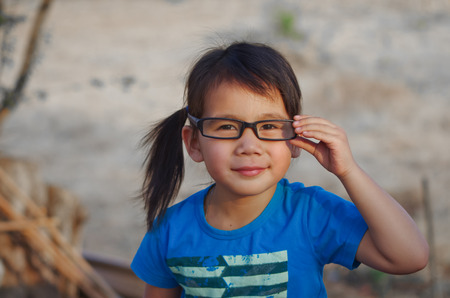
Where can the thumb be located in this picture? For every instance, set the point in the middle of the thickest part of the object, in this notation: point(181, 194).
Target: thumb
point(304, 144)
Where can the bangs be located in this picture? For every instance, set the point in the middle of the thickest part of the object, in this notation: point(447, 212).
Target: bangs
point(242, 78)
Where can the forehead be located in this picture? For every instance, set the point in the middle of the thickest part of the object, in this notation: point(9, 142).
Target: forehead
point(236, 101)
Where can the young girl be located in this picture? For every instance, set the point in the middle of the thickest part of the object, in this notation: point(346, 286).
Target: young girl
point(252, 233)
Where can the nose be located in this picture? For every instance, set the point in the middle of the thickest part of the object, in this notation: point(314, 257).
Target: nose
point(248, 143)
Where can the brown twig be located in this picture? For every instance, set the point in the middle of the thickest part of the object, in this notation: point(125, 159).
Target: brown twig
point(12, 98)
point(18, 225)
point(49, 252)
point(429, 219)
point(32, 45)
point(67, 260)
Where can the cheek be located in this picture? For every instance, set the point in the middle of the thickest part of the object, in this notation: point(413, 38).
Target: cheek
point(215, 154)
point(282, 157)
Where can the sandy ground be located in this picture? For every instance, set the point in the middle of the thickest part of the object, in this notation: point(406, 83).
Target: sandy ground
point(106, 69)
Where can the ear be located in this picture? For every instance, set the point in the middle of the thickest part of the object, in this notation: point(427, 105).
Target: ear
point(295, 151)
point(190, 139)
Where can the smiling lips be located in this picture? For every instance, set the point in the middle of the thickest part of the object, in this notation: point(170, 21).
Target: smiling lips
point(249, 171)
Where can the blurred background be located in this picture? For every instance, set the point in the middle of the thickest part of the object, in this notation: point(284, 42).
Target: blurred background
point(104, 70)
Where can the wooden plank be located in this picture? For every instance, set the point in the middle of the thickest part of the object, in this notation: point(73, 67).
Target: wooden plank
point(118, 274)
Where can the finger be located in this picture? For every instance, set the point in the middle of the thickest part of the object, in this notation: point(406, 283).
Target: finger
point(317, 128)
point(325, 138)
point(299, 117)
point(304, 144)
point(321, 132)
point(305, 122)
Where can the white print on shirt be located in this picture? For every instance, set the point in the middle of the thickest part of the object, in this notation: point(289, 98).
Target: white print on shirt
point(256, 275)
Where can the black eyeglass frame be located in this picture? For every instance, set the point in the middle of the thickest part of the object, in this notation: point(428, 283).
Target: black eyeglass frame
point(199, 124)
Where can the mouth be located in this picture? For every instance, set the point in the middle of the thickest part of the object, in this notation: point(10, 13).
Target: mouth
point(249, 171)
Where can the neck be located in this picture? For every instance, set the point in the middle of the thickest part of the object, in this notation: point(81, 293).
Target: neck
point(225, 211)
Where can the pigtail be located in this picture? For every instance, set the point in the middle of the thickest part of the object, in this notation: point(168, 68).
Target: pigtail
point(164, 165)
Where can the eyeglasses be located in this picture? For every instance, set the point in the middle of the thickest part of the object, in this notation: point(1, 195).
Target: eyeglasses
point(226, 128)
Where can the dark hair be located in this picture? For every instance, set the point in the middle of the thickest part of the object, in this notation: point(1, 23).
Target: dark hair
point(257, 67)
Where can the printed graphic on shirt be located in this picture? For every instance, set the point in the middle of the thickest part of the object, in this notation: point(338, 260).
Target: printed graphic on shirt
point(257, 275)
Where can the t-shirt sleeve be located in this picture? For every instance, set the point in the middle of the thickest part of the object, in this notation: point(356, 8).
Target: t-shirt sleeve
point(336, 229)
point(149, 263)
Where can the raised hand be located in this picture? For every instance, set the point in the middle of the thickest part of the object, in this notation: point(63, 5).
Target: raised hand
point(332, 151)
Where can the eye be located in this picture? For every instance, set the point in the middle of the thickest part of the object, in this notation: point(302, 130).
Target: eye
point(227, 127)
point(270, 126)
point(221, 128)
point(223, 125)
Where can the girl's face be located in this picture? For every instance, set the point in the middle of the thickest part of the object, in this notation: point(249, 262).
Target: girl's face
point(246, 166)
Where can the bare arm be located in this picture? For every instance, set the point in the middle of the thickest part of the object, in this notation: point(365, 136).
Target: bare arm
point(393, 243)
point(154, 292)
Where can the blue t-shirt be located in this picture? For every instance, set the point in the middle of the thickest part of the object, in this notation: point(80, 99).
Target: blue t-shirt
point(282, 252)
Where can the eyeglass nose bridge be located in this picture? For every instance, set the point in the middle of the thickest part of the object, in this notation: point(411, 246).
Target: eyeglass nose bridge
point(249, 125)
